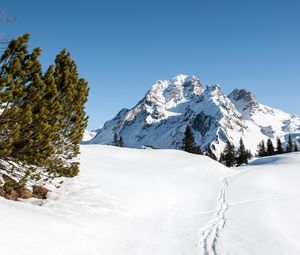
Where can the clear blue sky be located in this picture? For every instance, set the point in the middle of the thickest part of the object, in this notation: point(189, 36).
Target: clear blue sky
point(121, 47)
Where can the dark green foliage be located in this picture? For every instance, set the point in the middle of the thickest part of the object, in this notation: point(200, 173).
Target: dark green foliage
point(270, 148)
point(15, 70)
point(72, 93)
point(115, 139)
point(210, 154)
point(222, 158)
point(290, 145)
point(296, 147)
point(242, 153)
point(262, 149)
point(42, 116)
point(118, 141)
point(279, 148)
point(121, 143)
point(229, 155)
point(188, 142)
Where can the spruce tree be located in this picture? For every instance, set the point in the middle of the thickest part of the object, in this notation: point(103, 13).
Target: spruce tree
point(290, 145)
point(261, 149)
point(121, 143)
point(229, 155)
point(210, 154)
point(270, 148)
point(222, 158)
point(115, 139)
point(279, 148)
point(188, 142)
point(296, 149)
point(242, 157)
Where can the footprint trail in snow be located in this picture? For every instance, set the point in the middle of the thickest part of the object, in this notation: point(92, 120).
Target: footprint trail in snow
point(211, 233)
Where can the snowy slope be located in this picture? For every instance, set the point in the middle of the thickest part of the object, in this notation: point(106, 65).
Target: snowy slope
point(139, 202)
point(263, 208)
point(161, 117)
point(88, 135)
point(124, 201)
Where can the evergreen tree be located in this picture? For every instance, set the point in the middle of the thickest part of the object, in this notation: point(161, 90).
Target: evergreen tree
point(72, 93)
point(115, 139)
point(290, 145)
point(270, 148)
point(121, 143)
point(229, 155)
point(34, 143)
point(222, 158)
point(242, 157)
point(42, 117)
point(188, 141)
point(296, 149)
point(261, 149)
point(279, 148)
point(15, 70)
point(210, 154)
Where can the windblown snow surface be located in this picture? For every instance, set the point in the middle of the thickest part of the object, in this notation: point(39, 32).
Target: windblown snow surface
point(160, 202)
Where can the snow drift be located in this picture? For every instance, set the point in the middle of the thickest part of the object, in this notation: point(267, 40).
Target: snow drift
point(128, 201)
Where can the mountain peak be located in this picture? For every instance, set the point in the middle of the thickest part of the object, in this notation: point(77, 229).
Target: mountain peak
point(244, 101)
point(242, 94)
point(161, 117)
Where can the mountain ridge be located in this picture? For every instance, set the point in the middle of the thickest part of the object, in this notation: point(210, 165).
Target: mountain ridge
point(161, 116)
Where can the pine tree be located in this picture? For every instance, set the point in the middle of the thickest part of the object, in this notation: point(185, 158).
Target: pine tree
point(42, 117)
point(121, 143)
point(188, 142)
point(261, 149)
point(222, 158)
point(15, 69)
point(270, 148)
point(72, 93)
point(290, 145)
point(115, 139)
point(34, 143)
point(210, 154)
point(242, 157)
point(279, 148)
point(229, 155)
point(296, 149)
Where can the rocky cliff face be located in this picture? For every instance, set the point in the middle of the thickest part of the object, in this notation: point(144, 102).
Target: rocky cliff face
point(160, 118)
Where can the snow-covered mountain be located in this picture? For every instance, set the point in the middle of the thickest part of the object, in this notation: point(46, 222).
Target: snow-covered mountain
point(160, 118)
point(88, 135)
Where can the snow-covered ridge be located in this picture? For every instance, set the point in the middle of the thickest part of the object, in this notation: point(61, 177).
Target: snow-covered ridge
point(88, 135)
point(161, 116)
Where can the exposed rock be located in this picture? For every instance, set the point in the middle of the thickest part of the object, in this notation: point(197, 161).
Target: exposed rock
point(2, 193)
point(8, 181)
point(12, 190)
point(39, 192)
point(24, 193)
point(10, 194)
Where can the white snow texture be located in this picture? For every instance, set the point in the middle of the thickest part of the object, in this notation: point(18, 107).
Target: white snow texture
point(160, 202)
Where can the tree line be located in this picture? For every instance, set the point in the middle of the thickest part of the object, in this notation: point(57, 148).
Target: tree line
point(268, 149)
point(236, 157)
point(42, 115)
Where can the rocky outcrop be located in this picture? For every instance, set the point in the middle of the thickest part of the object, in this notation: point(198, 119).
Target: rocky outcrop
point(13, 190)
point(39, 192)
